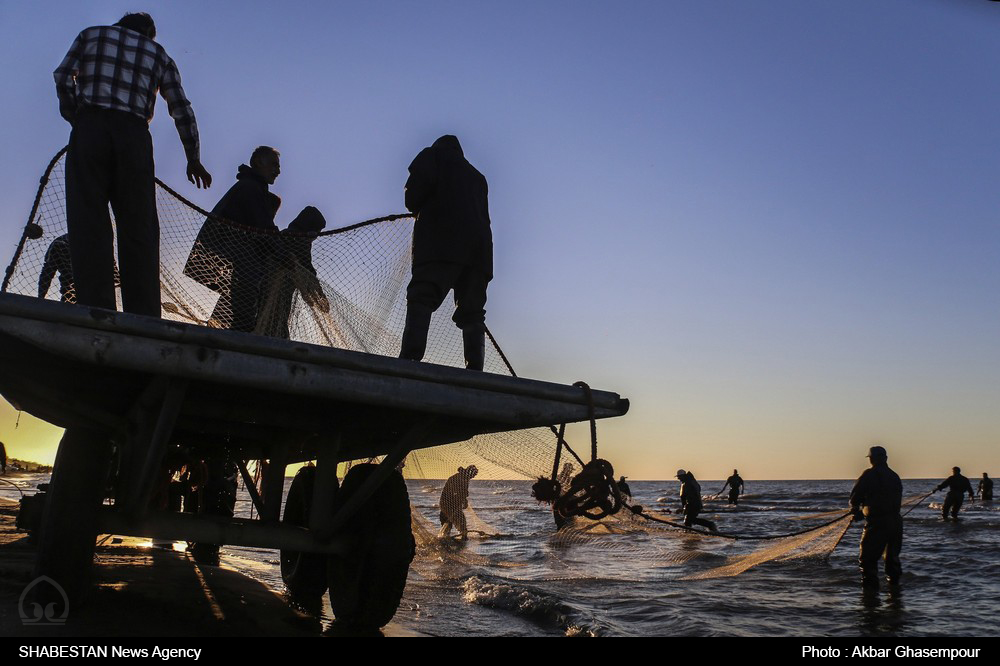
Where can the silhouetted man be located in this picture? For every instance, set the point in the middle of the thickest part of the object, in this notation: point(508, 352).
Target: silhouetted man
point(107, 86)
point(3, 459)
point(985, 487)
point(248, 203)
point(624, 489)
point(455, 500)
point(691, 503)
point(452, 248)
point(735, 483)
point(957, 486)
point(877, 496)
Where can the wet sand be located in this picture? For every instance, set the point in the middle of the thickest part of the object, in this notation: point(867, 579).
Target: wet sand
point(140, 591)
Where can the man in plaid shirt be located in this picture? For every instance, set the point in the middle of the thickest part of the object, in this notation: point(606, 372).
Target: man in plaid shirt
point(107, 87)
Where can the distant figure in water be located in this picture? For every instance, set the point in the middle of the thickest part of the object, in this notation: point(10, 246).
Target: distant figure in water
point(455, 500)
point(624, 489)
point(565, 480)
point(876, 497)
point(691, 501)
point(452, 248)
point(985, 488)
point(957, 486)
point(735, 483)
point(3, 459)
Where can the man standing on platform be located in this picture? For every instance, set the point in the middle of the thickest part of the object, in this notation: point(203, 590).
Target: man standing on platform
point(876, 497)
point(107, 86)
point(452, 248)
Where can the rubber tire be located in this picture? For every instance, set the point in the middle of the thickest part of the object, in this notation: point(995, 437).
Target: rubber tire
point(366, 585)
point(69, 521)
point(304, 574)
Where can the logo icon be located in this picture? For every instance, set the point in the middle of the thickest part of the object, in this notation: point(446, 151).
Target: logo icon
point(43, 602)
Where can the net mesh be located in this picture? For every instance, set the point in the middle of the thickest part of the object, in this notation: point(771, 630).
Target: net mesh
point(345, 288)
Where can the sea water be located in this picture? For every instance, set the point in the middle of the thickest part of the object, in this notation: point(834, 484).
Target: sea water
point(525, 580)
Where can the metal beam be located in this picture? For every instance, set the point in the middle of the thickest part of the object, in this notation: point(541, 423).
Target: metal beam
point(219, 530)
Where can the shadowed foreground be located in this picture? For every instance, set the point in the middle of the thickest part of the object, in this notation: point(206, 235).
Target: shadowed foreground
point(150, 592)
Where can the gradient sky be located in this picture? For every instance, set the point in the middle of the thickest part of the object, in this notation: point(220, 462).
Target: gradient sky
point(772, 225)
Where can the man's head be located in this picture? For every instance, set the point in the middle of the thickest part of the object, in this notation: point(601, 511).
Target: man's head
point(471, 471)
point(877, 455)
point(956, 470)
point(141, 22)
point(681, 474)
point(266, 163)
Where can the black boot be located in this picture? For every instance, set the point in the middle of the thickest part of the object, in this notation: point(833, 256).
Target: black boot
point(474, 338)
point(414, 343)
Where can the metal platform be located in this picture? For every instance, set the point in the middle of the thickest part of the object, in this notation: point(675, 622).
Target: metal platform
point(147, 384)
point(78, 366)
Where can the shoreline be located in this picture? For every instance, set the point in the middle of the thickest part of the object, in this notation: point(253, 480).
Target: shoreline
point(140, 591)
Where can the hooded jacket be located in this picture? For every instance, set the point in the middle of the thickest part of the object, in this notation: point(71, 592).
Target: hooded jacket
point(449, 197)
point(247, 202)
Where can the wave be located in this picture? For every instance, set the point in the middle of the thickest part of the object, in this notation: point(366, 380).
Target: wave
point(529, 602)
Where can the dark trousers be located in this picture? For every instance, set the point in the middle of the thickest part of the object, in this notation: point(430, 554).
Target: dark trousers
point(427, 290)
point(881, 539)
point(431, 283)
point(952, 502)
point(110, 160)
point(691, 518)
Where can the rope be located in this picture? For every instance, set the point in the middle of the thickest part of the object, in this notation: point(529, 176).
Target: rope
point(387, 218)
point(559, 445)
point(766, 538)
point(15, 486)
point(510, 369)
point(593, 419)
point(919, 502)
point(737, 536)
point(43, 181)
point(352, 227)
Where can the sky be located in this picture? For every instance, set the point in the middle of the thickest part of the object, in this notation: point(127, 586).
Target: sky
point(773, 226)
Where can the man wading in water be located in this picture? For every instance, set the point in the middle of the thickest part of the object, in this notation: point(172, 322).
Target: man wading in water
point(876, 497)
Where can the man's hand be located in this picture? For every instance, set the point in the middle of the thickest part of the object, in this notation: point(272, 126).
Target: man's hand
point(198, 175)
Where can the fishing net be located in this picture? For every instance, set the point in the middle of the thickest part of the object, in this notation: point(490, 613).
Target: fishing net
point(816, 542)
point(345, 287)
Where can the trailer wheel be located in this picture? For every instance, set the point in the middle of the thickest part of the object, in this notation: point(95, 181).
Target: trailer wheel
point(70, 518)
point(304, 574)
point(366, 585)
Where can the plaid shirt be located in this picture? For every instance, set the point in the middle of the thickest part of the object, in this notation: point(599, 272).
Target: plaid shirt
point(115, 68)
